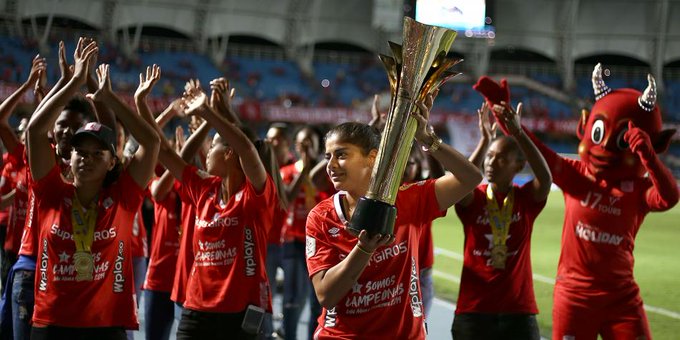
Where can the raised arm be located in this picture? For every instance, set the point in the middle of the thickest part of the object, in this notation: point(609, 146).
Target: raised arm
point(220, 99)
point(143, 162)
point(663, 194)
point(167, 156)
point(463, 177)
point(102, 112)
point(9, 138)
point(308, 163)
point(542, 178)
point(66, 72)
point(487, 133)
point(40, 155)
point(197, 103)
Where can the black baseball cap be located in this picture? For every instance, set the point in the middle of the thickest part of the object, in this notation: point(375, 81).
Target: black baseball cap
point(102, 133)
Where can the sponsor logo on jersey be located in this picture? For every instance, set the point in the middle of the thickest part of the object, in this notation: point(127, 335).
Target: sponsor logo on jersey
point(593, 200)
point(389, 252)
point(217, 222)
point(310, 246)
point(416, 303)
point(591, 234)
point(331, 318)
point(118, 269)
point(105, 234)
point(249, 252)
point(43, 267)
point(334, 231)
point(64, 235)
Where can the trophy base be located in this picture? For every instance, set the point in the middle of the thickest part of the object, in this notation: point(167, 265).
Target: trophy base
point(376, 217)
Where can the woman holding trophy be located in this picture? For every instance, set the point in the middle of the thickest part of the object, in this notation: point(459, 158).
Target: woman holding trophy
point(364, 280)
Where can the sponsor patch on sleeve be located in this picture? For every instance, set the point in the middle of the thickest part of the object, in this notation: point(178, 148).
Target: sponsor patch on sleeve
point(310, 247)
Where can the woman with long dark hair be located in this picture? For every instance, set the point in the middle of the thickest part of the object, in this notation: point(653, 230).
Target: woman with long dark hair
point(368, 284)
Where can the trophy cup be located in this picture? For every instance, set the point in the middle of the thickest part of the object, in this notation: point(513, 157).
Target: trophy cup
point(416, 69)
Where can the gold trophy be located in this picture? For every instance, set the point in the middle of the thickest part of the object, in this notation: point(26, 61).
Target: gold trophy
point(417, 68)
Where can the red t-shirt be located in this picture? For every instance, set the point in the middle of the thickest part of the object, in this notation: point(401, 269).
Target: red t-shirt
point(185, 258)
point(385, 302)
point(601, 221)
point(29, 239)
point(4, 189)
point(230, 244)
point(108, 300)
point(140, 245)
point(164, 243)
point(484, 289)
point(426, 247)
point(294, 223)
point(15, 175)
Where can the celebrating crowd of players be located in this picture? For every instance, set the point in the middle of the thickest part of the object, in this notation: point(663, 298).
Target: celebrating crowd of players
point(229, 211)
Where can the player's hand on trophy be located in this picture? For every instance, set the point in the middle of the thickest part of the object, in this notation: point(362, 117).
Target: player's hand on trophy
point(371, 243)
point(422, 116)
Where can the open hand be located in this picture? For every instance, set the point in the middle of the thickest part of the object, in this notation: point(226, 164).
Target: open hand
point(194, 101)
point(38, 67)
point(221, 95)
point(146, 82)
point(486, 129)
point(82, 56)
point(509, 117)
point(103, 83)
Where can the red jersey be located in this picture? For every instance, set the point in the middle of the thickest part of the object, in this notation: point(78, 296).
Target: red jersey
point(185, 258)
point(426, 247)
point(140, 245)
point(601, 221)
point(29, 239)
point(164, 243)
point(108, 300)
point(15, 175)
point(484, 289)
point(307, 197)
point(230, 244)
point(385, 301)
point(4, 189)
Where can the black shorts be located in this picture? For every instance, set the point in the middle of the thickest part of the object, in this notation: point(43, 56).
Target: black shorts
point(58, 333)
point(205, 325)
point(495, 326)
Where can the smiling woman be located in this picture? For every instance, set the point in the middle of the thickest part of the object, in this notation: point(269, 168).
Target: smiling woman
point(365, 282)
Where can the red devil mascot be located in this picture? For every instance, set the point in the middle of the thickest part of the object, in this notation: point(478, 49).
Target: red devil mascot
point(607, 193)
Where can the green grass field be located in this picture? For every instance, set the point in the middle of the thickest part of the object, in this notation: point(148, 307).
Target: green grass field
point(657, 264)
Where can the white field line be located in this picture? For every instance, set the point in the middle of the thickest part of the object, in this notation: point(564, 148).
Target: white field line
point(537, 277)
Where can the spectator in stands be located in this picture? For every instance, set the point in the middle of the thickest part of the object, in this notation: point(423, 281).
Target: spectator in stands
point(496, 296)
point(365, 282)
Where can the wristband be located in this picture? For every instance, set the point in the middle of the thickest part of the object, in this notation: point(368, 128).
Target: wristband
point(436, 142)
point(363, 250)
